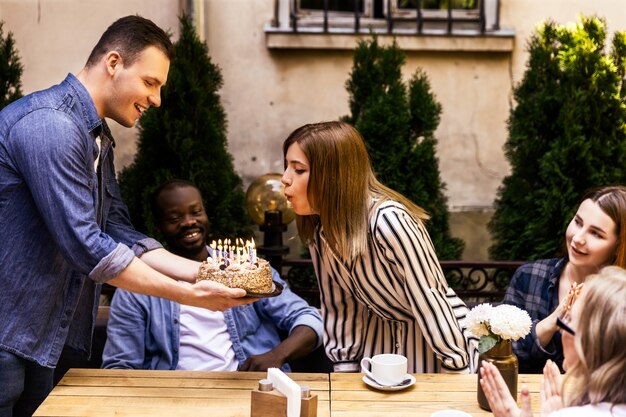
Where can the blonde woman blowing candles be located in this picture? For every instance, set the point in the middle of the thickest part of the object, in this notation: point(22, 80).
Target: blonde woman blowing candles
point(381, 286)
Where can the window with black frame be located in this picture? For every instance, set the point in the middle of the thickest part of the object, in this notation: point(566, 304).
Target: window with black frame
point(392, 15)
point(333, 5)
point(437, 14)
point(334, 8)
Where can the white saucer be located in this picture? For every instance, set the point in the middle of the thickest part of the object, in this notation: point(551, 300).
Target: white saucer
point(375, 385)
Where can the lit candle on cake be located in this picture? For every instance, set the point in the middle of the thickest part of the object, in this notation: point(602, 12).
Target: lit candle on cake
point(253, 253)
point(249, 251)
point(214, 253)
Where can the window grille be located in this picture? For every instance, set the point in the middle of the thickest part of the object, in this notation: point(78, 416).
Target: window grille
point(387, 16)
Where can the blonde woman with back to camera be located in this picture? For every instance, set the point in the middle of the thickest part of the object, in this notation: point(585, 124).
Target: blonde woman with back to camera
point(594, 337)
point(381, 286)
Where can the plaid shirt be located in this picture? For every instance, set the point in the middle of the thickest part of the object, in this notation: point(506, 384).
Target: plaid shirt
point(534, 288)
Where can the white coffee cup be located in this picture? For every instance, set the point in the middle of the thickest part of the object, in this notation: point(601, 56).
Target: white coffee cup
point(387, 368)
point(450, 413)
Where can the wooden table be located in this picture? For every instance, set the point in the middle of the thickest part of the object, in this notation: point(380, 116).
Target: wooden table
point(431, 392)
point(107, 392)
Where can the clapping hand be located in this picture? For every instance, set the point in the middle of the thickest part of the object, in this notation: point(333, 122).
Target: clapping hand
point(567, 302)
point(502, 403)
point(497, 393)
point(551, 389)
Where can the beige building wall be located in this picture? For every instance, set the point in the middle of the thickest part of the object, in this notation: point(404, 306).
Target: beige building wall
point(55, 37)
point(268, 92)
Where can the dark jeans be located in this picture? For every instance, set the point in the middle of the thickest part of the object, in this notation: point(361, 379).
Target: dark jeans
point(23, 385)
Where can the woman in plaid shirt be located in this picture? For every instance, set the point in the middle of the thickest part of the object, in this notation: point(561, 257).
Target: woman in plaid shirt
point(594, 238)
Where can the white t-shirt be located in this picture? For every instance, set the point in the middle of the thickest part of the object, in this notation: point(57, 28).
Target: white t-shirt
point(97, 160)
point(205, 344)
point(589, 410)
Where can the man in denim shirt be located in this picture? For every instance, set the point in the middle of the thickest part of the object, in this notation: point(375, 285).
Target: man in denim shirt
point(61, 215)
point(147, 332)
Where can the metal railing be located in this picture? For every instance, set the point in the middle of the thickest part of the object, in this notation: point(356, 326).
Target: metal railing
point(290, 17)
point(474, 282)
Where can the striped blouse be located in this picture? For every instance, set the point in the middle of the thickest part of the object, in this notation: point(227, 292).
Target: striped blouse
point(393, 299)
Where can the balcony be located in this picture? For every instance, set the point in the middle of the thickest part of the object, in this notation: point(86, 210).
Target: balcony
point(420, 25)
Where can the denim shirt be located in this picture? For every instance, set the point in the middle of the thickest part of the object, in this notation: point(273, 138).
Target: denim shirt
point(60, 222)
point(143, 332)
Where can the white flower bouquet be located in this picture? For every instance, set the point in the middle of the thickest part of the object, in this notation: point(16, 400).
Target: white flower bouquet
point(494, 324)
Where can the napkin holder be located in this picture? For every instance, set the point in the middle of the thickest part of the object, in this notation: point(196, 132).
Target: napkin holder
point(269, 402)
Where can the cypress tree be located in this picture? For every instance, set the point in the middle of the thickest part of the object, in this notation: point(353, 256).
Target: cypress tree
point(398, 124)
point(186, 138)
point(566, 135)
point(10, 69)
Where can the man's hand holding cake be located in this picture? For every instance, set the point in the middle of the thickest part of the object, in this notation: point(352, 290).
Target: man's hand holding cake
point(210, 295)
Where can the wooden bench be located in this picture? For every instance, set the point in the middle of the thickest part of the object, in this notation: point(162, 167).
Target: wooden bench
point(315, 361)
point(474, 282)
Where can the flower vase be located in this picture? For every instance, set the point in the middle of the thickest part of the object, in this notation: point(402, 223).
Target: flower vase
point(502, 356)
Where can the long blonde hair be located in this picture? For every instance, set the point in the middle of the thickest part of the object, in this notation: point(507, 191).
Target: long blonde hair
point(599, 375)
point(342, 186)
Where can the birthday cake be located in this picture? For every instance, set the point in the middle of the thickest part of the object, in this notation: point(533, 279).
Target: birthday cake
point(237, 267)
